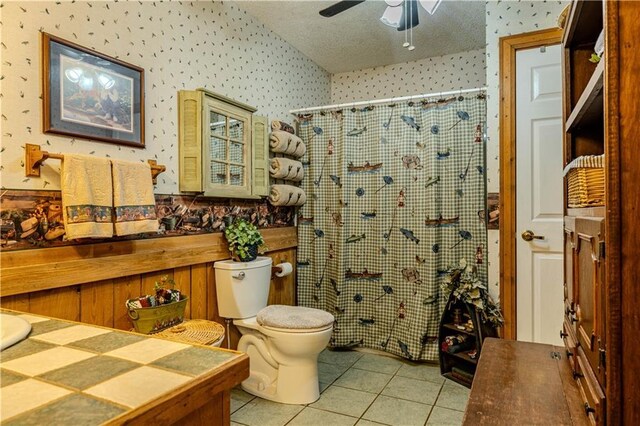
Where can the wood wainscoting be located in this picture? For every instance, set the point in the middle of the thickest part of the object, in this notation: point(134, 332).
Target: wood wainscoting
point(90, 283)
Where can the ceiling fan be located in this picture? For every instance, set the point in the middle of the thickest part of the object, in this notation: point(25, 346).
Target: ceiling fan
point(400, 14)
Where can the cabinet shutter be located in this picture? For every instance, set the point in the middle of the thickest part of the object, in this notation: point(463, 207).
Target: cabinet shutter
point(190, 140)
point(260, 154)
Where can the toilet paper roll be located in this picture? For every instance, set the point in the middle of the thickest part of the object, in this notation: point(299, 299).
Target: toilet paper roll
point(285, 269)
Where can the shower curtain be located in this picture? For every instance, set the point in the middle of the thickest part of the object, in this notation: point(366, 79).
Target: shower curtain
point(396, 195)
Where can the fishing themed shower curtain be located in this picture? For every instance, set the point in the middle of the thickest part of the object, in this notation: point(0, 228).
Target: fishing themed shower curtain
point(396, 195)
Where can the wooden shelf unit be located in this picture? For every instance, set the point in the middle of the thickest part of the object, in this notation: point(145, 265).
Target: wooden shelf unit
point(461, 360)
point(601, 292)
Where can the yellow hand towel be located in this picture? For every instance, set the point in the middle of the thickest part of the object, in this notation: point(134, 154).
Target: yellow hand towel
point(87, 196)
point(133, 200)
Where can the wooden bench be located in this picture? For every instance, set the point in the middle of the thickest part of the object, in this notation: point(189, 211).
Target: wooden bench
point(523, 383)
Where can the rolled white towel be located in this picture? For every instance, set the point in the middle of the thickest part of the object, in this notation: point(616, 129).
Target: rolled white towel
point(285, 168)
point(281, 125)
point(287, 195)
point(285, 143)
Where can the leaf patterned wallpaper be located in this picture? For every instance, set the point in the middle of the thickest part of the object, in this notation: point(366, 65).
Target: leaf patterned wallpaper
point(506, 18)
point(464, 70)
point(181, 45)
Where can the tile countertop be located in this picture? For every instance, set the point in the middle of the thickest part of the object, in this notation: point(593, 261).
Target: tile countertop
point(74, 373)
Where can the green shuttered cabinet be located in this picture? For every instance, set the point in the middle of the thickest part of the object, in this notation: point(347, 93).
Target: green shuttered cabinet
point(223, 148)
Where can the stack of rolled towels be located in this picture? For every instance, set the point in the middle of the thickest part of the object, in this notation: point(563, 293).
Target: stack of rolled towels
point(283, 140)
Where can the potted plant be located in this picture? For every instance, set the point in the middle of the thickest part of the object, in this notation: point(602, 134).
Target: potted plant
point(245, 240)
point(465, 285)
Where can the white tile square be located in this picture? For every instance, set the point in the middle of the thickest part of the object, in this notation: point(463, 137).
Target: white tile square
point(71, 334)
point(27, 395)
point(138, 386)
point(51, 359)
point(33, 319)
point(147, 350)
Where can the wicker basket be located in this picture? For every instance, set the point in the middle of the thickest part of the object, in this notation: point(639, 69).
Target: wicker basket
point(198, 331)
point(586, 187)
point(157, 318)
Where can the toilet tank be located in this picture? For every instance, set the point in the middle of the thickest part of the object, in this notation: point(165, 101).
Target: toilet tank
point(242, 287)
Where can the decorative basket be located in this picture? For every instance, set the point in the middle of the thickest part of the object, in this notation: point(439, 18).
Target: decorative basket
point(198, 331)
point(586, 187)
point(157, 318)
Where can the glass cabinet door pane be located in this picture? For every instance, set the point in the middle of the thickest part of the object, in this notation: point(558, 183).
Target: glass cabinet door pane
point(218, 149)
point(237, 176)
point(236, 153)
point(236, 129)
point(218, 173)
point(217, 124)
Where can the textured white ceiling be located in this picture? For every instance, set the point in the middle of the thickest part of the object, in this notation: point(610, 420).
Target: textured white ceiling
point(356, 39)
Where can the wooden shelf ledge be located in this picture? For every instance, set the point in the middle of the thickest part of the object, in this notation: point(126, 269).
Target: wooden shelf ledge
point(590, 105)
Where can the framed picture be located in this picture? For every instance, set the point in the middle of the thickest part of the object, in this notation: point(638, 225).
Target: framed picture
point(89, 95)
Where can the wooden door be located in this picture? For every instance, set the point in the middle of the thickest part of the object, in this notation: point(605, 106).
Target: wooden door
point(539, 208)
point(590, 305)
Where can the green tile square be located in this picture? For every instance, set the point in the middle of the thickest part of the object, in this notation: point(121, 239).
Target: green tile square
point(24, 348)
point(193, 360)
point(106, 342)
point(9, 377)
point(89, 372)
point(77, 410)
point(47, 326)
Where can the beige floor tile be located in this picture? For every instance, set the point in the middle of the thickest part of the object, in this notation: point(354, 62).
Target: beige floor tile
point(412, 390)
point(147, 350)
point(71, 334)
point(51, 359)
point(453, 396)
point(138, 386)
point(365, 422)
point(428, 372)
point(345, 401)
point(445, 417)
point(239, 398)
point(378, 363)
point(27, 395)
point(261, 412)
point(363, 380)
point(314, 417)
point(393, 411)
point(339, 357)
point(328, 373)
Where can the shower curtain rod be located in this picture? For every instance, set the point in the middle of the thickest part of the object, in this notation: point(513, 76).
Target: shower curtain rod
point(388, 100)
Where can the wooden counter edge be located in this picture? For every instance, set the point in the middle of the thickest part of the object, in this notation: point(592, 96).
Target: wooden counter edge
point(173, 406)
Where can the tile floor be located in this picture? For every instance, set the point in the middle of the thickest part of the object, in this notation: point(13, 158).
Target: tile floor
point(360, 388)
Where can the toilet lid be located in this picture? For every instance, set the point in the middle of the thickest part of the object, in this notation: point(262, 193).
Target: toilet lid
point(294, 317)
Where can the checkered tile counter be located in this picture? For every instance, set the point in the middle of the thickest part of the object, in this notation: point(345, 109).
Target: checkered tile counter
point(71, 373)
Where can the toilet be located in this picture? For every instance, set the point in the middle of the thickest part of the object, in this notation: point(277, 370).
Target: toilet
point(283, 342)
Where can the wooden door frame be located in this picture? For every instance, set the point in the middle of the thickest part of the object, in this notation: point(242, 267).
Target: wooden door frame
point(508, 47)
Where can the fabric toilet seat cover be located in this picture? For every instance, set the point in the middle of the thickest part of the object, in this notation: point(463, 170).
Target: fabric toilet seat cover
point(293, 317)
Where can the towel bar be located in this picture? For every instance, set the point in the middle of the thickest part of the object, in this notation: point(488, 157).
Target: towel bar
point(34, 157)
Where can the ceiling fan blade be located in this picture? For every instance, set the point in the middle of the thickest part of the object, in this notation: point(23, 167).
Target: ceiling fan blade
point(410, 15)
point(339, 7)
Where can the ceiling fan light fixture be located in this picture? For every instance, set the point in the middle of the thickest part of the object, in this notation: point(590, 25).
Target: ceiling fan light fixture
point(430, 5)
point(392, 16)
point(393, 3)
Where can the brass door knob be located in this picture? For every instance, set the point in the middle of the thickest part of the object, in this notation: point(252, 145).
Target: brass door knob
point(530, 236)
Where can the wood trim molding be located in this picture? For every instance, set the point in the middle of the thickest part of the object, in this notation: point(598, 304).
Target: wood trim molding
point(41, 269)
point(508, 47)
